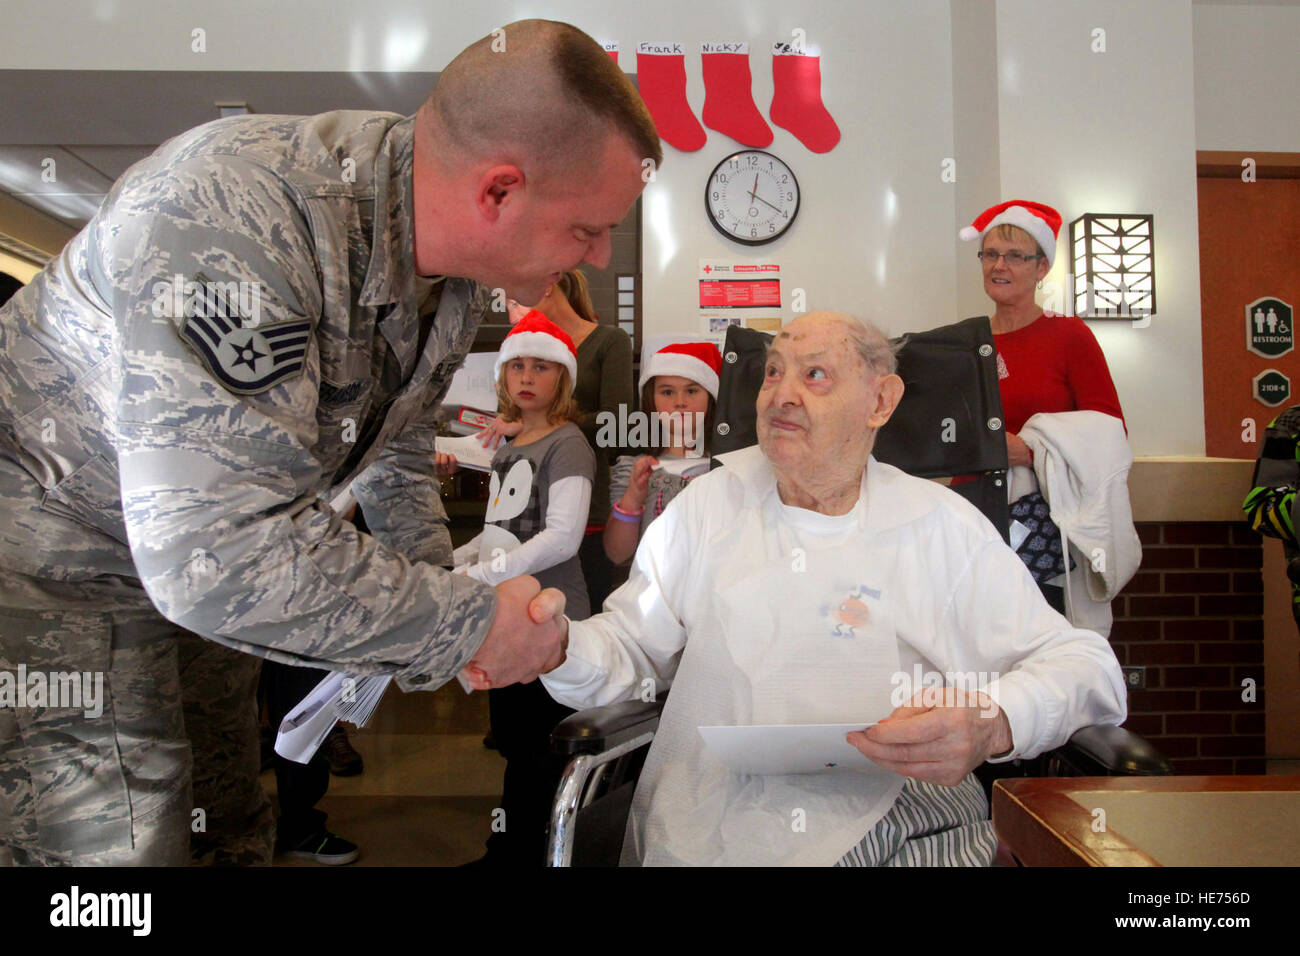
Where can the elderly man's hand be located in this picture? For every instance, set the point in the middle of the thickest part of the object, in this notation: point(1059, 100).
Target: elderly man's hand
point(937, 740)
point(528, 636)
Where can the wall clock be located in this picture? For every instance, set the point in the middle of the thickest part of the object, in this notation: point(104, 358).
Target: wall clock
point(752, 197)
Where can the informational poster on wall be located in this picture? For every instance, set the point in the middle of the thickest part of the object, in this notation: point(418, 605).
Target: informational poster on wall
point(747, 294)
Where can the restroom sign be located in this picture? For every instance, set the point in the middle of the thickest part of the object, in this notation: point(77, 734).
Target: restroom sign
point(1269, 330)
point(1271, 387)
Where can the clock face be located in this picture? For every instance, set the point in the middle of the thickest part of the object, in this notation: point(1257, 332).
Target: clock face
point(752, 197)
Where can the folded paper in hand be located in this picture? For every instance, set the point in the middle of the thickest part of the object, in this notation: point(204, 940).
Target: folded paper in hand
point(791, 748)
point(337, 697)
point(469, 453)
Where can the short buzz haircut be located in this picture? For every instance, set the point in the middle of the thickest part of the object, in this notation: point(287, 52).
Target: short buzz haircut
point(538, 90)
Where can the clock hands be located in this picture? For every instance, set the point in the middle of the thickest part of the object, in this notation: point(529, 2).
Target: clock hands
point(753, 194)
point(766, 203)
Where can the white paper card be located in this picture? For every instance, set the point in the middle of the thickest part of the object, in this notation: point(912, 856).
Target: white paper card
point(469, 453)
point(784, 749)
point(473, 384)
point(342, 502)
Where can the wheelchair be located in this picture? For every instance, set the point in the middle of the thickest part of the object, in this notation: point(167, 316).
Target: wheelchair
point(951, 391)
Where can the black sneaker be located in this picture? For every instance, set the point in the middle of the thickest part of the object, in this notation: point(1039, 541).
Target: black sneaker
point(324, 847)
point(343, 759)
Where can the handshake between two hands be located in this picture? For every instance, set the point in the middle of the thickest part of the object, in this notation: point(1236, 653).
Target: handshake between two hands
point(528, 636)
point(935, 740)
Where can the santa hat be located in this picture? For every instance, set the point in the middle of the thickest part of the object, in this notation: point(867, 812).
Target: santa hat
point(536, 336)
point(1041, 222)
point(699, 361)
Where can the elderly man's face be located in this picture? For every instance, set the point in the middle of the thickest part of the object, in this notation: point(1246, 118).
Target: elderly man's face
point(820, 404)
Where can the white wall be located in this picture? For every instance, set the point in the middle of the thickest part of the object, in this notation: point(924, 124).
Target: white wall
point(1247, 67)
point(975, 137)
point(873, 231)
point(1115, 132)
point(875, 219)
point(877, 231)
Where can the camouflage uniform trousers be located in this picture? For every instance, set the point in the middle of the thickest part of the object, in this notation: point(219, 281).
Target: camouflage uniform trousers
point(177, 733)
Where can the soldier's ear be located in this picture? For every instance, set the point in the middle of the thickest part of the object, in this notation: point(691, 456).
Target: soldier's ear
point(498, 187)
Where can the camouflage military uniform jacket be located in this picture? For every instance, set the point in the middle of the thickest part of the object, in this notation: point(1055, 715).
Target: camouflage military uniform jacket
point(236, 333)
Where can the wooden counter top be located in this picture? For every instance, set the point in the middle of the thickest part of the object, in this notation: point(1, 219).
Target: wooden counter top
point(1189, 489)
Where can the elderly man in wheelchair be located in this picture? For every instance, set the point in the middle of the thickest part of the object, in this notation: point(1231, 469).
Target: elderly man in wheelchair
point(795, 585)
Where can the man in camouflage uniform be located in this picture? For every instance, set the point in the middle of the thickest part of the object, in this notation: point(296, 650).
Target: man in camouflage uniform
point(1270, 505)
point(264, 311)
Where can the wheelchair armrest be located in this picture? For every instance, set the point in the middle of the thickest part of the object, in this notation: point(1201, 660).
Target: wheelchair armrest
point(603, 728)
point(1105, 750)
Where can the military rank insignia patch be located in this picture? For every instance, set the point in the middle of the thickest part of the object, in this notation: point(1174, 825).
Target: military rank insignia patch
point(245, 358)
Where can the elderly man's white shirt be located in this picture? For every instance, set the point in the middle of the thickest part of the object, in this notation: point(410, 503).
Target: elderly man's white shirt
point(960, 602)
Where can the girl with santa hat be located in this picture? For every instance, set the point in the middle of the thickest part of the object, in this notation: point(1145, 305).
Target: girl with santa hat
point(679, 385)
point(536, 515)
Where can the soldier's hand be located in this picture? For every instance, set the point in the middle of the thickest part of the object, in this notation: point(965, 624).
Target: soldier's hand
point(528, 636)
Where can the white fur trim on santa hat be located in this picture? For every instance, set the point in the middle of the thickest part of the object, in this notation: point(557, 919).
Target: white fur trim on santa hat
point(678, 363)
point(535, 345)
point(1022, 218)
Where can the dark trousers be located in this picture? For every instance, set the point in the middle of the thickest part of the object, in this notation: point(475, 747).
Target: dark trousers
point(523, 716)
point(299, 785)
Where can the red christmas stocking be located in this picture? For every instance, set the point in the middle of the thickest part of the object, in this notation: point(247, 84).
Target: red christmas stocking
point(728, 103)
point(661, 78)
point(611, 47)
point(797, 97)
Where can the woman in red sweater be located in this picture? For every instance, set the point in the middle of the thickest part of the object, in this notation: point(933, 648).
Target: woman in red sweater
point(1046, 363)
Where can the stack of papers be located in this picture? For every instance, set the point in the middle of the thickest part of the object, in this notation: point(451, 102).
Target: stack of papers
point(337, 697)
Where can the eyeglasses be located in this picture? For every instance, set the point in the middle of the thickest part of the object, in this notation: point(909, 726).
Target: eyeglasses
point(1013, 258)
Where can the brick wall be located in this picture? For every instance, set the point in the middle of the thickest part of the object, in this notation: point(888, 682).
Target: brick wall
point(1192, 615)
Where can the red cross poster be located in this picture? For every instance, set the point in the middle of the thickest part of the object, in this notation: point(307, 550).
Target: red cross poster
point(739, 293)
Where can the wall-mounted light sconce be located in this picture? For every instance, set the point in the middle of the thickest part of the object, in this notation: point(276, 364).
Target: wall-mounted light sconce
point(1115, 256)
